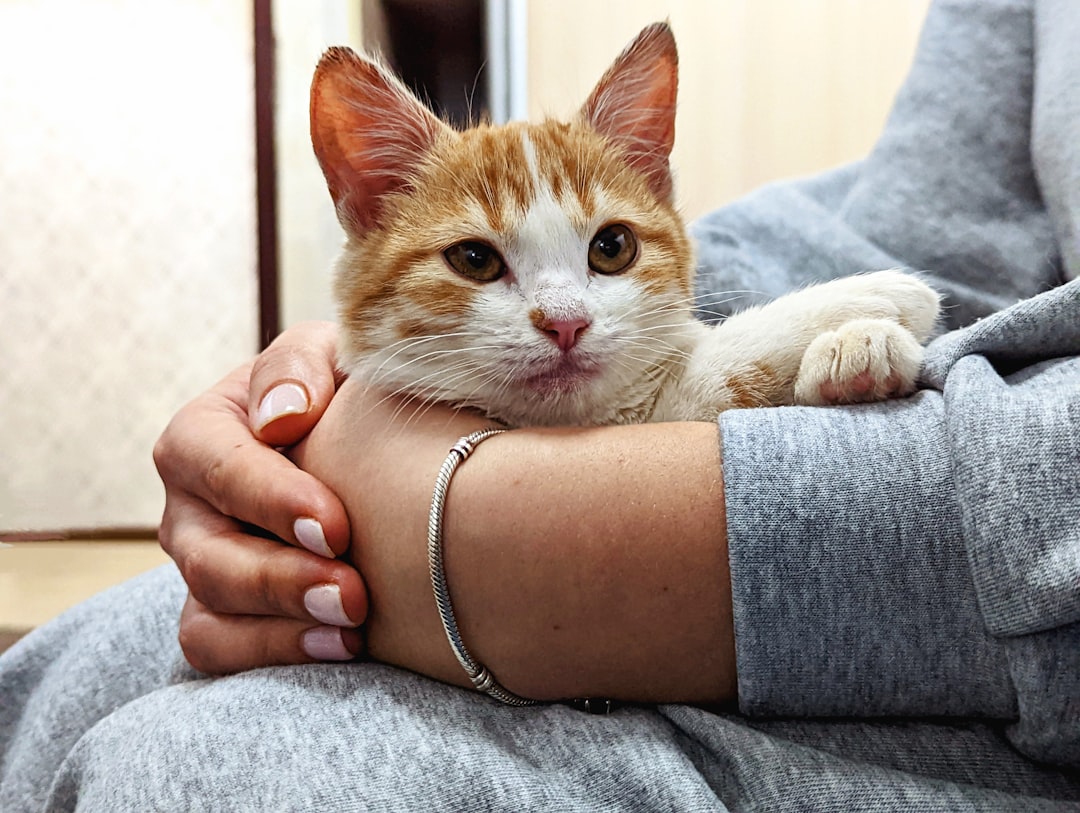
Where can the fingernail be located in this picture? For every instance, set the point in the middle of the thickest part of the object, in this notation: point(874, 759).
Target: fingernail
point(324, 604)
point(309, 533)
point(325, 644)
point(282, 400)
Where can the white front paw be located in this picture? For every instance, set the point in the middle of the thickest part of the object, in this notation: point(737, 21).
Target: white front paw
point(862, 360)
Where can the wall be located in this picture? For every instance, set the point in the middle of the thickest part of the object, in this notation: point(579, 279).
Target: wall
point(768, 88)
point(309, 234)
point(127, 243)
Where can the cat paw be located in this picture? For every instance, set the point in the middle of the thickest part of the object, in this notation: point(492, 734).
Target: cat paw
point(862, 360)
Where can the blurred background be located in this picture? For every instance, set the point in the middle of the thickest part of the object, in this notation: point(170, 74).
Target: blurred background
point(162, 217)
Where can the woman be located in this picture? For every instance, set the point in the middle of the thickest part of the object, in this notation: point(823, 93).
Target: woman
point(890, 591)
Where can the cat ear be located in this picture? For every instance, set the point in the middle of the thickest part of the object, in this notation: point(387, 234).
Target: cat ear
point(369, 133)
point(634, 104)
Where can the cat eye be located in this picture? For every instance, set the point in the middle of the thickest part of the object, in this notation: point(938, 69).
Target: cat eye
point(613, 249)
point(475, 260)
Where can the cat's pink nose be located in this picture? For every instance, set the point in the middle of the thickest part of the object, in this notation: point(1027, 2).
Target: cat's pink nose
point(564, 332)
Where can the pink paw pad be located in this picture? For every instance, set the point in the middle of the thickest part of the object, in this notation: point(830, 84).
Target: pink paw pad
point(862, 388)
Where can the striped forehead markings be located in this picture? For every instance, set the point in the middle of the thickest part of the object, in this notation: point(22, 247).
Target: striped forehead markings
point(548, 231)
point(555, 199)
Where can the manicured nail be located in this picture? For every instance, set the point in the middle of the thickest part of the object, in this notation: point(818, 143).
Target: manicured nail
point(325, 644)
point(309, 533)
point(324, 604)
point(282, 400)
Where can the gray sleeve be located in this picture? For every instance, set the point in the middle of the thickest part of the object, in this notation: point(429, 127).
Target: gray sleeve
point(851, 587)
point(921, 557)
point(1056, 122)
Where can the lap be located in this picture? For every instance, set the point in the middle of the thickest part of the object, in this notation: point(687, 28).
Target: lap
point(101, 712)
point(106, 713)
point(369, 737)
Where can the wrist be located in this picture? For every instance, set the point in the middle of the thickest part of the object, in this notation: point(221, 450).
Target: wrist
point(380, 456)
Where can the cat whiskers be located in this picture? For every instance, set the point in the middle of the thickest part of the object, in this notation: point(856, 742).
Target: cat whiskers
point(445, 374)
point(648, 349)
point(412, 394)
point(404, 345)
point(651, 359)
point(650, 315)
point(449, 383)
point(705, 303)
point(653, 345)
point(698, 303)
point(653, 341)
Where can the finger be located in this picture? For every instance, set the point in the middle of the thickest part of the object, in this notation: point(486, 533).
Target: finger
point(208, 451)
point(292, 381)
point(230, 571)
point(218, 644)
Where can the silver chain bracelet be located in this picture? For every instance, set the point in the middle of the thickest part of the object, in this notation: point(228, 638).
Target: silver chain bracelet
point(480, 676)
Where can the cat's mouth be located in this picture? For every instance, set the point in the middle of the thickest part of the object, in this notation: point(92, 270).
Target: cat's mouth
point(562, 378)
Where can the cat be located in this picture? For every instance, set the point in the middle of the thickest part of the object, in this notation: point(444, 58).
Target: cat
point(540, 273)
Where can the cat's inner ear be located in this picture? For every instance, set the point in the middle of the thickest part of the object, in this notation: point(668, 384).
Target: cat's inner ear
point(369, 133)
point(634, 104)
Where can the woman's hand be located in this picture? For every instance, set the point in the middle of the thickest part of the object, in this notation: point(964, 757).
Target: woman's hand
point(254, 601)
point(580, 561)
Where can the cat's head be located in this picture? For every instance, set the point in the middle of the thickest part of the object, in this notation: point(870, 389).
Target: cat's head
point(538, 272)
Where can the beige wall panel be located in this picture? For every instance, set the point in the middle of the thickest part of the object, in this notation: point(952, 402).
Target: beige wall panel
point(127, 248)
point(309, 236)
point(769, 88)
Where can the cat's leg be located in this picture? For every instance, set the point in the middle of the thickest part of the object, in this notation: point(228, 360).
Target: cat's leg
point(756, 357)
point(893, 295)
point(862, 360)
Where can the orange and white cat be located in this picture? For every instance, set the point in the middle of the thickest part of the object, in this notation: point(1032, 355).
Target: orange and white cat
point(540, 273)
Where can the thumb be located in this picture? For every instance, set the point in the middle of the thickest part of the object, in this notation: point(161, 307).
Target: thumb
point(292, 382)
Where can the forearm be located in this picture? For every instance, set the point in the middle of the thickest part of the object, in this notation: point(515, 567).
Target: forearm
point(581, 562)
point(592, 562)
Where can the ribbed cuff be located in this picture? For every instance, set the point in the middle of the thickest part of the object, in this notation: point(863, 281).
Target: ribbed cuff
point(851, 586)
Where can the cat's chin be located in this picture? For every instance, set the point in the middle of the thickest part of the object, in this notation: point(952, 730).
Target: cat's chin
point(561, 380)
